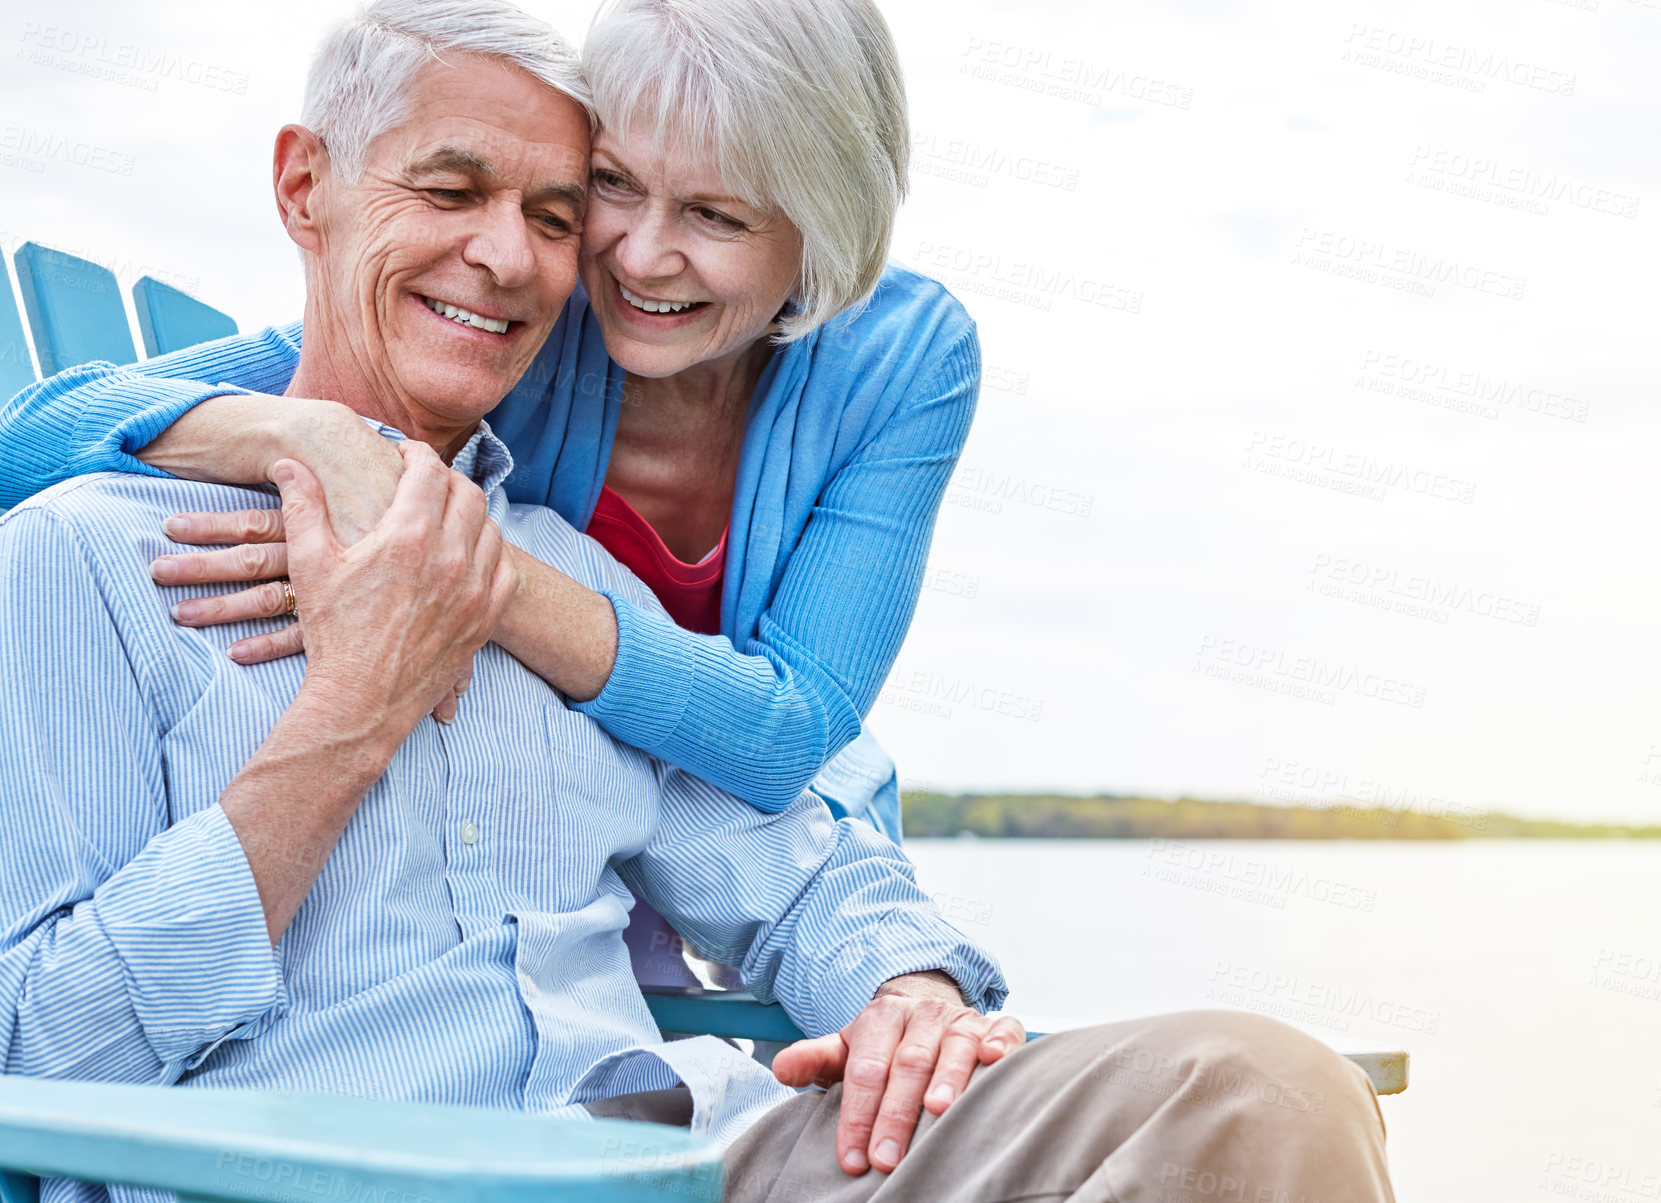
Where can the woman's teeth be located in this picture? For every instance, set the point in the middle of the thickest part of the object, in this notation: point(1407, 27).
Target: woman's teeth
point(654, 306)
point(456, 314)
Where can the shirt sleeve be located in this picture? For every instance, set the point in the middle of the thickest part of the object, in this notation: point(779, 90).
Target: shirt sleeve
point(130, 946)
point(816, 913)
point(97, 417)
point(762, 721)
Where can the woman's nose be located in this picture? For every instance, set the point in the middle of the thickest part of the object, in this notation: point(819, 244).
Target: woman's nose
point(647, 248)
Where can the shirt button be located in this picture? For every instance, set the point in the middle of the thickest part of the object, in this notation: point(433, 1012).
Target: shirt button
point(469, 833)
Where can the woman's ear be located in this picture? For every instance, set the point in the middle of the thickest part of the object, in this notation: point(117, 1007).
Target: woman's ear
point(297, 169)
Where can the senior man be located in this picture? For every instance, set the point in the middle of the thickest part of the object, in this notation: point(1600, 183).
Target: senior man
point(287, 876)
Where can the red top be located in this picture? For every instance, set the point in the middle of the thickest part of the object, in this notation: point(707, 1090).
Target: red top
point(690, 592)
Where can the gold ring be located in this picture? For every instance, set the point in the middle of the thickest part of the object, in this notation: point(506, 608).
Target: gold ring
point(290, 605)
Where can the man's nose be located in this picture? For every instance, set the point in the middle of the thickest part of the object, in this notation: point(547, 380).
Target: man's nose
point(501, 244)
point(648, 249)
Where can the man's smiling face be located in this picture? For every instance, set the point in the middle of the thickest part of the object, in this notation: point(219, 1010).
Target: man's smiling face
point(472, 204)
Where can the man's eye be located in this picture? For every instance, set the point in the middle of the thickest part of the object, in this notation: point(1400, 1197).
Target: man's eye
point(554, 223)
point(450, 196)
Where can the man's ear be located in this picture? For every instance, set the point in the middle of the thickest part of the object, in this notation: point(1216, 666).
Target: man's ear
point(297, 168)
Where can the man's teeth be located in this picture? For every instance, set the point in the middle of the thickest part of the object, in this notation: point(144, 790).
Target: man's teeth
point(457, 314)
point(654, 306)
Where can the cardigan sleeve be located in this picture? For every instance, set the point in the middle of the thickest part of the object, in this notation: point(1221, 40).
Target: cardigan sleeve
point(97, 417)
point(761, 721)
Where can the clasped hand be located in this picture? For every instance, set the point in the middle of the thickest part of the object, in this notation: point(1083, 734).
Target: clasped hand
point(433, 566)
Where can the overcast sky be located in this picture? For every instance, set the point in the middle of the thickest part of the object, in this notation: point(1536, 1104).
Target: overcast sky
point(1316, 456)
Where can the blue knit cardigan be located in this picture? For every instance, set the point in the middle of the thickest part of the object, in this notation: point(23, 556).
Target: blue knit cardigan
point(852, 437)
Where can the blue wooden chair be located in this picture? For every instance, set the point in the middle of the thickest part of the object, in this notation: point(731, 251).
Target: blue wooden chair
point(233, 1145)
point(289, 1148)
point(76, 315)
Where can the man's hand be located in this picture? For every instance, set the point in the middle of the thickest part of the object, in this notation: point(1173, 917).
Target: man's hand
point(260, 553)
point(914, 1045)
point(395, 618)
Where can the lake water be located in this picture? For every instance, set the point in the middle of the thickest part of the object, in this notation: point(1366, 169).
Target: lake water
point(1523, 977)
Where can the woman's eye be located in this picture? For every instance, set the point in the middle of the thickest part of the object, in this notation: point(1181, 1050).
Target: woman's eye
point(451, 196)
point(609, 180)
point(721, 219)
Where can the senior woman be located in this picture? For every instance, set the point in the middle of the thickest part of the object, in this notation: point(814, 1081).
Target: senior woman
point(741, 401)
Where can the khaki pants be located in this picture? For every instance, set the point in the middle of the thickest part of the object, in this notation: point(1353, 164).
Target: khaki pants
point(1199, 1107)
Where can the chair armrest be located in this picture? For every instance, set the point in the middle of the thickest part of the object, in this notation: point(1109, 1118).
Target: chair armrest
point(737, 1015)
point(237, 1145)
point(734, 1014)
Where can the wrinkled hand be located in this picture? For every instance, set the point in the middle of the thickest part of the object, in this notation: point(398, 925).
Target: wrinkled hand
point(396, 618)
point(913, 1046)
point(259, 552)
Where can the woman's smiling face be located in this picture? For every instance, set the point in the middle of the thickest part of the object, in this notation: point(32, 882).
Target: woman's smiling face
point(678, 270)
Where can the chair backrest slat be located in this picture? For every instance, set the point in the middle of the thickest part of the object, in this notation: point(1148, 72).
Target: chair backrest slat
point(74, 309)
point(170, 320)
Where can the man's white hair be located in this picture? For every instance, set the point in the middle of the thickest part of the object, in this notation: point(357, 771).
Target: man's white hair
point(358, 86)
point(798, 102)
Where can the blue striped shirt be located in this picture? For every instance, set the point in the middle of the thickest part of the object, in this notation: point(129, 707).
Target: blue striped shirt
point(463, 942)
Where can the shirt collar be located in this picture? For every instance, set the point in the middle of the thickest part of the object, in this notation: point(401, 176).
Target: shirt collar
point(484, 459)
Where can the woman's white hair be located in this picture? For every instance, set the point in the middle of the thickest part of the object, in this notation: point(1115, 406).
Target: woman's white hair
point(798, 102)
point(358, 86)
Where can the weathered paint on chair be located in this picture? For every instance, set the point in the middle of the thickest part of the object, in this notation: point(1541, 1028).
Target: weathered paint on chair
point(170, 320)
point(17, 371)
point(236, 1145)
point(74, 308)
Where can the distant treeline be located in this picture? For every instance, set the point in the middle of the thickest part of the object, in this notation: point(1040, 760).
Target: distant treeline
point(1056, 816)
